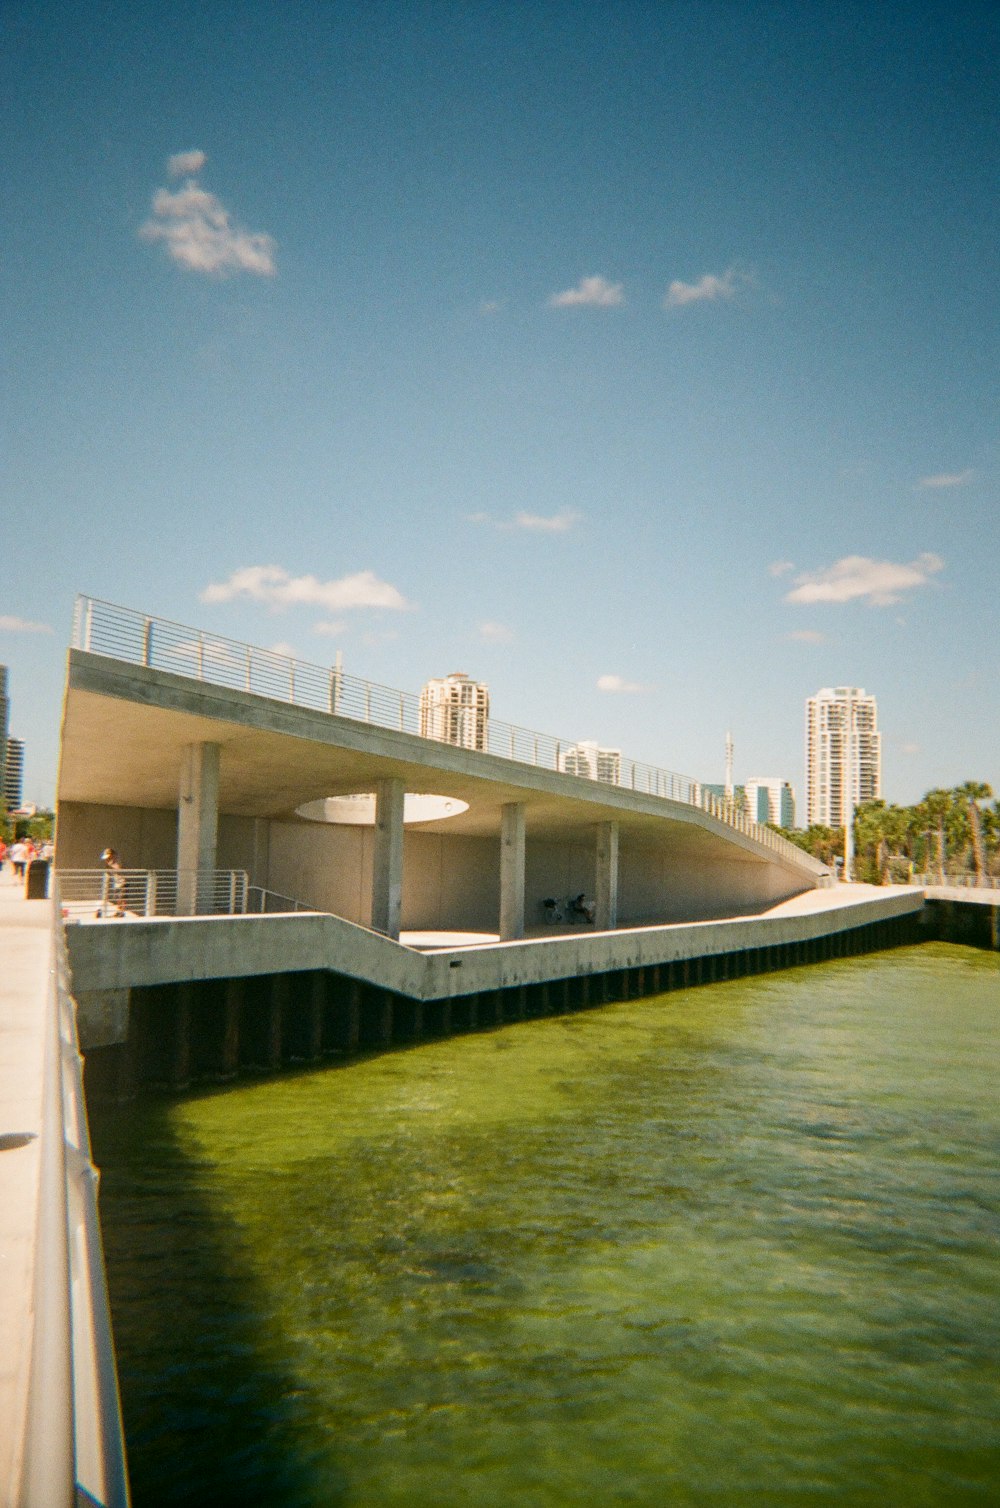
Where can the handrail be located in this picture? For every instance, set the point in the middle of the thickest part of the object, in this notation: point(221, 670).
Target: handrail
point(121, 633)
point(74, 1442)
point(153, 892)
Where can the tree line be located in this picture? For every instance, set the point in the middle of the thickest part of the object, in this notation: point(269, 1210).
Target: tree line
point(945, 834)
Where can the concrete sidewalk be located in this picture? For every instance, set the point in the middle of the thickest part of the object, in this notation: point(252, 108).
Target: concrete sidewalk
point(25, 943)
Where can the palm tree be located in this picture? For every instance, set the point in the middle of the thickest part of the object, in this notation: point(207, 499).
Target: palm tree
point(970, 793)
point(934, 811)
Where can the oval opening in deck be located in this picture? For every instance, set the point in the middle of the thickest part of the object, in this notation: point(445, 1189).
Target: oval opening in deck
point(359, 810)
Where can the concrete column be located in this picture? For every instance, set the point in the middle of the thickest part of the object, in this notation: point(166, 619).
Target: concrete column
point(387, 860)
point(606, 876)
point(197, 821)
point(512, 871)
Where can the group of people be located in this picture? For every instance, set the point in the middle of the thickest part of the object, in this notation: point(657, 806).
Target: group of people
point(21, 853)
point(578, 909)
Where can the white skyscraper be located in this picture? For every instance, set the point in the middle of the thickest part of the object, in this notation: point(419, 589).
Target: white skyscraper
point(843, 753)
point(456, 710)
point(592, 762)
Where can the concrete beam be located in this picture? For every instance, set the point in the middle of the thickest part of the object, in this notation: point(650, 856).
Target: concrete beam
point(606, 877)
point(387, 860)
point(512, 871)
point(197, 821)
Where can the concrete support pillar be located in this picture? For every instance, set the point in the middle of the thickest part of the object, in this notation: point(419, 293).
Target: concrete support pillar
point(197, 821)
point(512, 871)
point(387, 860)
point(606, 877)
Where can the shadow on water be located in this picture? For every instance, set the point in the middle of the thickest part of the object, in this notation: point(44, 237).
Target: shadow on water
point(213, 1413)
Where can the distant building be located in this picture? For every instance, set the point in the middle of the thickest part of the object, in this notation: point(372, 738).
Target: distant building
point(843, 753)
point(592, 762)
point(456, 710)
point(13, 774)
point(770, 799)
point(734, 795)
point(4, 722)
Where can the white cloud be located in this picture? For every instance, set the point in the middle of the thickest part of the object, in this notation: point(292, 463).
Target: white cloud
point(910, 748)
point(275, 588)
point(880, 582)
point(949, 479)
point(197, 231)
point(593, 293)
point(780, 567)
point(706, 290)
point(184, 164)
point(806, 636)
point(617, 683)
point(496, 633)
point(284, 649)
point(537, 523)
point(331, 629)
point(12, 625)
point(557, 523)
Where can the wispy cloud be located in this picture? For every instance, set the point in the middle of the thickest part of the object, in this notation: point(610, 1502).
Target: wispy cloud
point(706, 290)
point(537, 523)
point(329, 628)
point(857, 577)
point(910, 748)
point(592, 293)
point(780, 567)
point(283, 648)
point(806, 636)
point(617, 683)
point(13, 625)
point(949, 479)
point(197, 231)
point(277, 589)
point(185, 164)
point(496, 633)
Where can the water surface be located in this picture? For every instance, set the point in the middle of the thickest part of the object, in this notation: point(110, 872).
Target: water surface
point(729, 1245)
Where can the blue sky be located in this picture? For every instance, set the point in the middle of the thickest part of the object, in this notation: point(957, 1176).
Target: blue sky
point(637, 359)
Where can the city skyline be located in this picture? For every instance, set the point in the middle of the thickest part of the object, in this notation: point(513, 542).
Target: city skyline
point(642, 360)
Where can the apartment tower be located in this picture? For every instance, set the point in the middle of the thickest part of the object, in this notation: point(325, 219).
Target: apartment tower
point(843, 753)
point(456, 710)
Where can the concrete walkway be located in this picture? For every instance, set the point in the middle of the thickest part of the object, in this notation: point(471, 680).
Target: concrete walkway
point(24, 978)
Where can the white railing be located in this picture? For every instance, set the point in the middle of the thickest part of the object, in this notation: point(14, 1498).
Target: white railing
point(123, 634)
point(957, 881)
point(74, 1446)
point(262, 902)
point(106, 894)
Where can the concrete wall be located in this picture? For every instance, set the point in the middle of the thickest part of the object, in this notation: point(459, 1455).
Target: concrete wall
point(449, 882)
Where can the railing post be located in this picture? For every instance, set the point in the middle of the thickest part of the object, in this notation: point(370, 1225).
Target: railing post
point(402, 720)
point(368, 701)
point(201, 657)
point(249, 667)
point(232, 892)
point(291, 682)
point(147, 642)
point(150, 899)
point(88, 624)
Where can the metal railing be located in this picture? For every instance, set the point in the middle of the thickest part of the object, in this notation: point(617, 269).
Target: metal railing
point(106, 894)
point(123, 634)
point(74, 1446)
point(957, 881)
point(262, 902)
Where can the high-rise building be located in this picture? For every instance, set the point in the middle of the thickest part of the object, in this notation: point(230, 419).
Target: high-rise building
point(843, 753)
point(456, 710)
point(770, 799)
point(592, 762)
point(13, 774)
point(4, 722)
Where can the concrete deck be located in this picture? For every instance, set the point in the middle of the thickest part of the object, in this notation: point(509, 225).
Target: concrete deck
point(24, 971)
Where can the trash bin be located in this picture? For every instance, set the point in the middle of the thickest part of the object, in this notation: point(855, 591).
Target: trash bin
point(36, 880)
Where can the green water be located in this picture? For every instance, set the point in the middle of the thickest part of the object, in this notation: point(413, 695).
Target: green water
point(732, 1245)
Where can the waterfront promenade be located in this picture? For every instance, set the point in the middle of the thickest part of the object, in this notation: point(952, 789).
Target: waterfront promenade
point(25, 943)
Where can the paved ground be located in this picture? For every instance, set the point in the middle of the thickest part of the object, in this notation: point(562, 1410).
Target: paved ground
point(24, 947)
point(810, 902)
